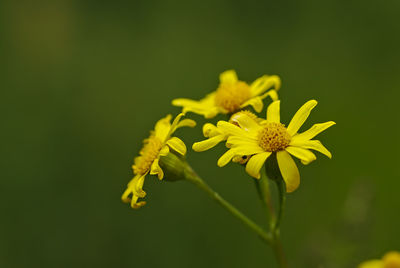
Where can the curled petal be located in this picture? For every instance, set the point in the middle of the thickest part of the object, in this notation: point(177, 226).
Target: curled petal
point(156, 169)
point(134, 191)
point(177, 145)
point(164, 151)
point(255, 102)
point(209, 130)
point(186, 123)
point(260, 85)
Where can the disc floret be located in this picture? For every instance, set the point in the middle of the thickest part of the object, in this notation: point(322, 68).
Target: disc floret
point(274, 137)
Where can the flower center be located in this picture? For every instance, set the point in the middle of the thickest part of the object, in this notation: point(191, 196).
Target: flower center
point(148, 154)
point(231, 95)
point(273, 137)
point(391, 260)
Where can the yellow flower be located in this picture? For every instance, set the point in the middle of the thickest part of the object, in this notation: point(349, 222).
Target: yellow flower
point(157, 144)
point(260, 140)
point(390, 260)
point(233, 95)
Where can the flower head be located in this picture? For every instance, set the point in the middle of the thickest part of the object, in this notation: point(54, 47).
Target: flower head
point(156, 145)
point(261, 139)
point(233, 95)
point(390, 260)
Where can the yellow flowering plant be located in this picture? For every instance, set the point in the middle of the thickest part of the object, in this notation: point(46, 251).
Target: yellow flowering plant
point(260, 140)
point(252, 141)
point(233, 95)
point(158, 144)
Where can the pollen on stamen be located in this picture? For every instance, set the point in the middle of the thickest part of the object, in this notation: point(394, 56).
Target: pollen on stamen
point(148, 154)
point(274, 137)
point(230, 96)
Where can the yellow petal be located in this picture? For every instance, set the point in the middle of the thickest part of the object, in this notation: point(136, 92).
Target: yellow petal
point(163, 127)
point(137, 205)
point(241, 159)
point(208, 143)
point(372, 264)
point(311, 144)
point(164, 151)
point(175, 124)
point(260, 85)
point(186, 123)
point(125, 196)
point(228, 77)
point(313, 131)
point(245, 122)
point(244, 147)
point(289, 170)
point(306, 156)
point(226, 157)
point(255, 102)
point(255, 163)
point(241, 141)
point(177, 145)
point(183, 102)
point(273, 112)
point(272, 93)
point(139, 187)
point(134, 188)
point(300, 117)
point(209, 130)
point(231, 128)
point(156, 169)
point(205, 106)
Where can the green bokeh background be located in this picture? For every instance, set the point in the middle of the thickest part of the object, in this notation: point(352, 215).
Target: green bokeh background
point(83, 82)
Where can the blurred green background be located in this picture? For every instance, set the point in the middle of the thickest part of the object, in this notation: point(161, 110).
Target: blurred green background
point(83, 82)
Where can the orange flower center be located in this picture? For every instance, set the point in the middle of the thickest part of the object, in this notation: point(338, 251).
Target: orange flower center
point(231, 96)
point(148, 154)
point(273, 137)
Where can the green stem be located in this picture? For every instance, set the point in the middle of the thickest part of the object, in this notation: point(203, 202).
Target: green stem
point(191, 176)
point(275, 220)
point(278, 250)
point(282, 201)
point(265, 196)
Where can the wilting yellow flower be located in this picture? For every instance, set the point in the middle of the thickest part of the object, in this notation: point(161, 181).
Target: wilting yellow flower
point(216, 135)
point(260, 140)
point(390, 260)
point(233, 95)
point(157, 144)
